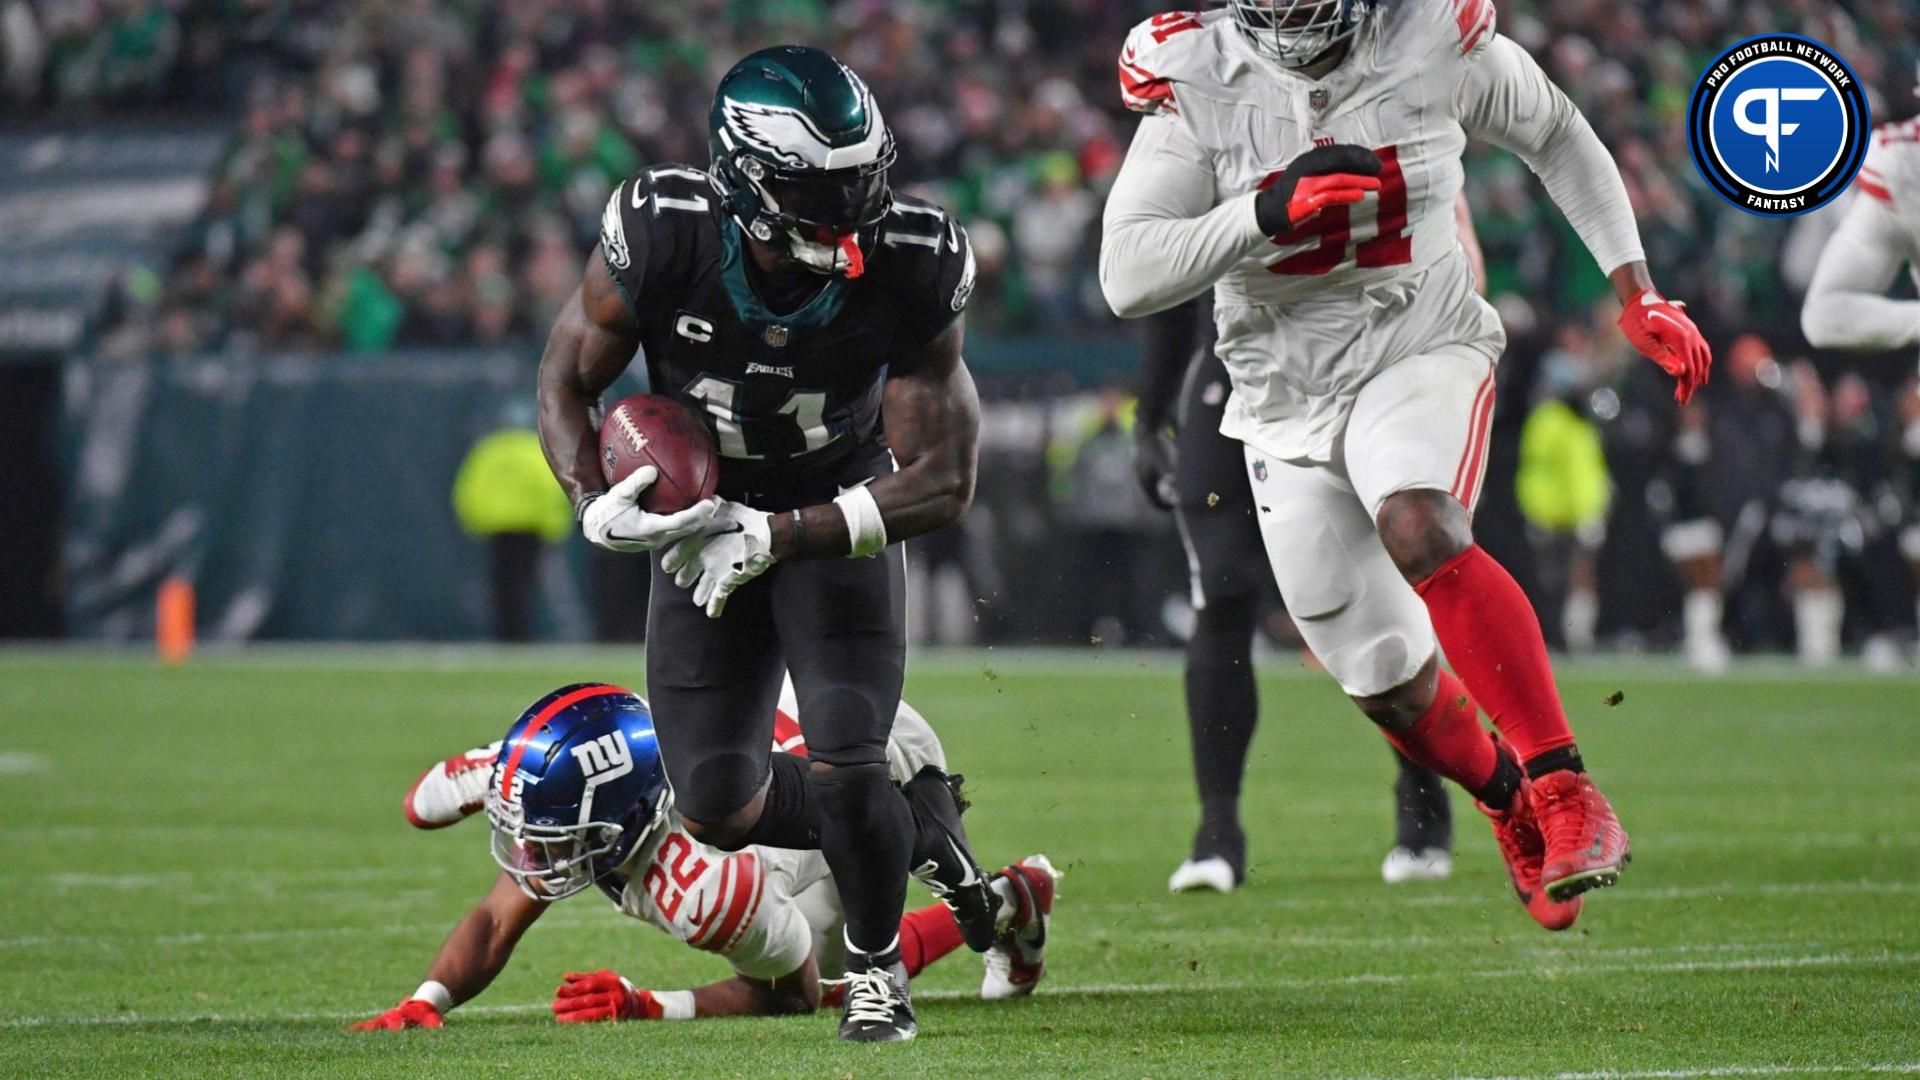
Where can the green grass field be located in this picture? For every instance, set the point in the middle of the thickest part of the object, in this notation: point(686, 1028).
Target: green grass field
point(205, 872)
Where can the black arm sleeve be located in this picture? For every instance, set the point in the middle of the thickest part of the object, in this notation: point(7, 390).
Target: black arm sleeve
point(1172, 336)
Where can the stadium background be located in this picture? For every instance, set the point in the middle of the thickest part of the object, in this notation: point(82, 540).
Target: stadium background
point(270, 270)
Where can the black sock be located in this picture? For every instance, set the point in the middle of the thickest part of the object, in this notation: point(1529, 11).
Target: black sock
point(789, 819)
point(866, 834)
point(1567, 757)
point(1424, 817)
point(1499, 790)
point(1223, 706)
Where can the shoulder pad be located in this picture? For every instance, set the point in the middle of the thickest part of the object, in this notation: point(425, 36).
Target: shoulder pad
point(1893, 160)
point(931, 270)
point(1157, 54)
point(1415, 30)
point(1473, 21)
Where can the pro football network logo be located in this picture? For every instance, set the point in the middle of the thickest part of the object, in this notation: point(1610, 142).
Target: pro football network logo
point(1778, 125)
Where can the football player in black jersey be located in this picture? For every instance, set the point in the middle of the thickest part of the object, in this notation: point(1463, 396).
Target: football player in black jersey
point(1201, 475)
point(813, 318)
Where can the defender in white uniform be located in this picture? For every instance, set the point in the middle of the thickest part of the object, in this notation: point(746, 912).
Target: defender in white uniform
point(1847, 305)
point(1302, 158)
point(772, 913)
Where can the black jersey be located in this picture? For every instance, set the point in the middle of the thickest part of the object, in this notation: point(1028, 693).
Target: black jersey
point(791, 398)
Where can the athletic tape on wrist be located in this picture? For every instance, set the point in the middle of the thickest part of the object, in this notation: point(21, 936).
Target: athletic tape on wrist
point(580, 504)
point(865, 527)
point(435, 994)
point(674, 1004)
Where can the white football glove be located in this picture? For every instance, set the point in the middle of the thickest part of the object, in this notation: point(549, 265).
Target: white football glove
point(615, 521)
point(733, 549)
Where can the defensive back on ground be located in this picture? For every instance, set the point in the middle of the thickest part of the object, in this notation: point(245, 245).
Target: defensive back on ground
point(207, 874)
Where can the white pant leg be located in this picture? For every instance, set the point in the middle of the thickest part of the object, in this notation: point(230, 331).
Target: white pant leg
point(1422, 423)
point(912, 746)
point(1358, 615)
point(819, 904)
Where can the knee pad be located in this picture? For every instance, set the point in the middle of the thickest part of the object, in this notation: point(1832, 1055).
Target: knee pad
point(716, 787)
point(1378, 662)
point(846, 727)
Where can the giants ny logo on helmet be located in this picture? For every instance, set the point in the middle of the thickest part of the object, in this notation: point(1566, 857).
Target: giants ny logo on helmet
point(1778, 125)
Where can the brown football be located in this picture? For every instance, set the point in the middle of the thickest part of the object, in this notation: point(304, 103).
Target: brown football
point(648, 429)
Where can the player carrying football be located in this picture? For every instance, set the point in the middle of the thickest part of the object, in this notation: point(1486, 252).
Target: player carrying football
point(1302, 158)
point(796, 303)
point(576, 796)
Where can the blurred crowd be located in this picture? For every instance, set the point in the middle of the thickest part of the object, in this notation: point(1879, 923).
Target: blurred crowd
point(411, 173)
point(1778, 512)
point(430, 172)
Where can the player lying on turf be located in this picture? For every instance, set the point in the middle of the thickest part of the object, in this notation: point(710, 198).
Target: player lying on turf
point(576, 796)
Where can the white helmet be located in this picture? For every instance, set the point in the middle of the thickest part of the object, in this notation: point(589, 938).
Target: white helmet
point(1295, 33)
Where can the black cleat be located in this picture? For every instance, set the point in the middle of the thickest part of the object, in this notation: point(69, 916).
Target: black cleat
point(944, 863)
point(877, 1008)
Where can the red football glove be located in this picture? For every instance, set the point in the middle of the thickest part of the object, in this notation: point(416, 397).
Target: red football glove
point(587, 997)
point(1662, 332)
point(1323, 176)
point(411, 1013)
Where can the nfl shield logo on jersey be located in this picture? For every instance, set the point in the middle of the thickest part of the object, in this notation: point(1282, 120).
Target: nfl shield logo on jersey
point(1260, 470)
point(776, 336)
point(1318, 97)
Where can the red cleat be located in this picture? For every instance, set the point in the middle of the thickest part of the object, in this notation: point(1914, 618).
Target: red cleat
point(1524, 848)
point(1586, 847)
point(1018, 959)
point(452, 790)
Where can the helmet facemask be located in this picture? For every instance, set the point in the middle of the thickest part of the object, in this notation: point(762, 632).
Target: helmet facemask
point(1295, 33)
point(552, 862)
point(816, 217)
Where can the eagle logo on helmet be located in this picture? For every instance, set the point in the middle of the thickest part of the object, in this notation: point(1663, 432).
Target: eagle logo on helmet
point(778, 132)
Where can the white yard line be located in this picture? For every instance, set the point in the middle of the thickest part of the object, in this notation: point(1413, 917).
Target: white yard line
point(624, 661)
point(1894, 1067)
point(1197, 986)
point(607, 918)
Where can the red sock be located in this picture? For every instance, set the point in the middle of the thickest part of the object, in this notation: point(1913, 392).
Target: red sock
point(927, 935)
point(1492, 638)
point(1448, 739)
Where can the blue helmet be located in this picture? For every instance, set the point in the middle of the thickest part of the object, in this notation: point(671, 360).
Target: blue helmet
point(578, 784)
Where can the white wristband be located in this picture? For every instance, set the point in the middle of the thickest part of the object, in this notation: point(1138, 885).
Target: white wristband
point(674, 1004)
point(865, 527)
point(435, 994)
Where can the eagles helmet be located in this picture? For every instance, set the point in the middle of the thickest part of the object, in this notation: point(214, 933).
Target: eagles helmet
point(1295, 33)
point(577, 786)
point(800, 157)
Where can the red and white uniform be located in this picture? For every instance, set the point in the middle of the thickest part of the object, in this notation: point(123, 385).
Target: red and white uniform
point(1360, 356)
point(1847, 306)
point(763, 909)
